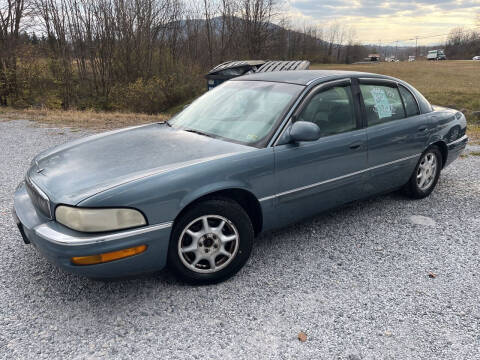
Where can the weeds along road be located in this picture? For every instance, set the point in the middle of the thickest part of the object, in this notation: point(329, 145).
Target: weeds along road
point(375, 279)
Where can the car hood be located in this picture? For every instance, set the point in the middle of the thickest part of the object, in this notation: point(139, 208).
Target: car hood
point(75, 171)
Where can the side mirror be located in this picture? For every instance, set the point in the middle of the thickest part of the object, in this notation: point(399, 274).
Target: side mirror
point(304, 131)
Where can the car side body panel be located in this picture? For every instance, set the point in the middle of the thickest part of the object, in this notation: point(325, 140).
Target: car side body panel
point(315, 176)
point(393, 151)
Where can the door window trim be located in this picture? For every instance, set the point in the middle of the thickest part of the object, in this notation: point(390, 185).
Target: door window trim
point(381, 82)
point(385, 82)
point(314, 91)
point(318, 89)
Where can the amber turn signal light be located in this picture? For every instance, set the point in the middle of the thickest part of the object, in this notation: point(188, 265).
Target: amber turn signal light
point(110, 256)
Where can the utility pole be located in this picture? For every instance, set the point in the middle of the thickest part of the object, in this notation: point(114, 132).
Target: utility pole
point(416, 47)
point(396, 47)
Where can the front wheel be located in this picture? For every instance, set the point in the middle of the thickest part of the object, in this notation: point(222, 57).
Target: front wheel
point(210, 242)
point(426, 174)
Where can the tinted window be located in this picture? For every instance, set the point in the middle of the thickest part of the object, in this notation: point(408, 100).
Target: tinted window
point(382, 103)
point(409, 101)
point(332, 110)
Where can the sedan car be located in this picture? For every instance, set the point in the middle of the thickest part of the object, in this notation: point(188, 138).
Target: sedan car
point(476, 58)
point(256, 153)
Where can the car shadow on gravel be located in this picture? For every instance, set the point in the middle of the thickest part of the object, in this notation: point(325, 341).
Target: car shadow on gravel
point(64, 284)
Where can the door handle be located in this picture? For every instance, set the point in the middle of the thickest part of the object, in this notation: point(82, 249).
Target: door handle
point(356, 145)
point(422, 129)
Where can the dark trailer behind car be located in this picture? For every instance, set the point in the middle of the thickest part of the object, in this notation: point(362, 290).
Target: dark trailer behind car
point(231, 69)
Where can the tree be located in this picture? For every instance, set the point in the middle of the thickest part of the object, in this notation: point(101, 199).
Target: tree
point(257, 27)
point(11, 15)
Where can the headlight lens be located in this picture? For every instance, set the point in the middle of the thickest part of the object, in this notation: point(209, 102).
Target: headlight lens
point(98, 220)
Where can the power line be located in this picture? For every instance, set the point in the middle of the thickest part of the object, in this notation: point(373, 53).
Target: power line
point(416, 38)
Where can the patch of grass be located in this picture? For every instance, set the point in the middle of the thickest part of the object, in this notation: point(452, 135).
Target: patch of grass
point(473, 131)
point(81, 119)
point(475, 153)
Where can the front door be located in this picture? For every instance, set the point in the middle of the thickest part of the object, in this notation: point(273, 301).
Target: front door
point(314, 176)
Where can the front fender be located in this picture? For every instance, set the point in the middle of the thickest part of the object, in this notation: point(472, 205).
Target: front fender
point(212, 188)
point(162, 197)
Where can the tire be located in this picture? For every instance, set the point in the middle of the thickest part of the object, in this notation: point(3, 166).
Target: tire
point(194, 245)
point(417, 189)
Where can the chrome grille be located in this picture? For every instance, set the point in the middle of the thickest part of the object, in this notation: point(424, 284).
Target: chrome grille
point(38, 197)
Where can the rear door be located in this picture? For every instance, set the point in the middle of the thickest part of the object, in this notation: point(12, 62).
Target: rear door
point(314, 176)
point(396, 133)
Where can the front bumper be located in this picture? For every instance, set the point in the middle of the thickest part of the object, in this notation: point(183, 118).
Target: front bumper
point(59, 244)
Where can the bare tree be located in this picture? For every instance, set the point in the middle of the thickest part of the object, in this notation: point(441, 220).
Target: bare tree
point(128, 53)
point(11, 16)
point(257, 27)
point(207, 8)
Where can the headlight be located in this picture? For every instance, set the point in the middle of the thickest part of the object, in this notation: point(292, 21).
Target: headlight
point(98, 220)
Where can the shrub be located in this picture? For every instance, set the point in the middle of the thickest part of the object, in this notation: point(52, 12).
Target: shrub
point(156, 94)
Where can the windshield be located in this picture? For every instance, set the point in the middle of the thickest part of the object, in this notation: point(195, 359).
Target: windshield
point(241, 111)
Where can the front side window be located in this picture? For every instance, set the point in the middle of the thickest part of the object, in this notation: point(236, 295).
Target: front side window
point(242, 111)
point(332, 110)
point(411, 105)
point(382, 103)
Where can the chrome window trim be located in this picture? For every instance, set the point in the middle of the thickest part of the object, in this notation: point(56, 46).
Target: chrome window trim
point(336, 178)
point(47, 233)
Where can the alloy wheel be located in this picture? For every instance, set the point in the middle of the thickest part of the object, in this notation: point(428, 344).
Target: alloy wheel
point(427, 170)
point(208, 244)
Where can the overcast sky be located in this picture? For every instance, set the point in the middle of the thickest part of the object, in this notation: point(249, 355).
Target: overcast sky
point(389, 20)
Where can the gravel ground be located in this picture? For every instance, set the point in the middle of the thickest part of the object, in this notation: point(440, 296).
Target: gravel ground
point(380, 279)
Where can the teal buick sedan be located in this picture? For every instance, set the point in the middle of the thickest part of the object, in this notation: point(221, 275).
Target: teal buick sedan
point(256, 153)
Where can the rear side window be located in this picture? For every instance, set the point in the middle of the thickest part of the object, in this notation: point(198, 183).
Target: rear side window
point(382, 103)
point(332, 110)
point(411, 105)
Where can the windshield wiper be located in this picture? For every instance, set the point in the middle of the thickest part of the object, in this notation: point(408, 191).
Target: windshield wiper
point(166, 122)
point(197, 132)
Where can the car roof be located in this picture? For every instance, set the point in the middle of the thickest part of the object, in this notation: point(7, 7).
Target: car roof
point(304, 77)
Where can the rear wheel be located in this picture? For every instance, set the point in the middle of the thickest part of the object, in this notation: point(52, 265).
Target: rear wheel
point(211, 241)
point(426, 174)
